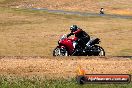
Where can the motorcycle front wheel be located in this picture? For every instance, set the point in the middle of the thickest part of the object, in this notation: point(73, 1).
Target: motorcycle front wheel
point(60, 52)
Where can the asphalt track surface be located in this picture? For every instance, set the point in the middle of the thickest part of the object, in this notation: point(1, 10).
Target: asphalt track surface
point(82, 13)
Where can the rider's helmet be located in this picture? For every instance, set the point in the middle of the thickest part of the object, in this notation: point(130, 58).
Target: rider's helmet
point(73, 28)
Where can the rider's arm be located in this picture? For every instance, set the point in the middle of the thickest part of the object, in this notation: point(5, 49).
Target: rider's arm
point(70, 34)
point(78, 31)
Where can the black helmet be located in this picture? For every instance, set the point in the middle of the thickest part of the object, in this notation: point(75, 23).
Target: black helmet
point(73, 28)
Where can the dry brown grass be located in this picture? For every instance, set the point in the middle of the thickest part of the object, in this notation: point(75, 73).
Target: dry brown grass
point(34, 33)
point(28, 33)
point(122, 7)
point(63, 66)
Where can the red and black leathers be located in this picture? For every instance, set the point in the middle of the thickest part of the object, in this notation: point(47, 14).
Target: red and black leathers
point(82, 36)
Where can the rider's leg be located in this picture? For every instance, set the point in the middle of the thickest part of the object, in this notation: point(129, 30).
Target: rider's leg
point(88, 46)
point(78, 46)
point(92, 41)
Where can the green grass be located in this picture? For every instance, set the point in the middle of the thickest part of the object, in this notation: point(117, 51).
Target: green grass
point(37, 82)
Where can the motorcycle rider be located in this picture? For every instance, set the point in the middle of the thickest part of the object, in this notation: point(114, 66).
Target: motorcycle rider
point(82, 36)
point(102, 11)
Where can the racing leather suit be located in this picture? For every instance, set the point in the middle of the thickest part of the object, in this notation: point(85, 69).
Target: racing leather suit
point(82, 36)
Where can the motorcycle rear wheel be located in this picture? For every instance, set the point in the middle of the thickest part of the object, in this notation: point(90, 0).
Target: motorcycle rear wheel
point(97, 51)
point(102, 52)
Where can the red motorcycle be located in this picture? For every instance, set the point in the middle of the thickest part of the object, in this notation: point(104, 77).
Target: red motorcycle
point(66, 47)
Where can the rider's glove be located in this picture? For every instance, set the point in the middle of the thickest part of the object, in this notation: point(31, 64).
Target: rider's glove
point(71, 33)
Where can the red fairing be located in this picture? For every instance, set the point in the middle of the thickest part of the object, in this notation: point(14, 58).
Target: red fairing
point(68, 43)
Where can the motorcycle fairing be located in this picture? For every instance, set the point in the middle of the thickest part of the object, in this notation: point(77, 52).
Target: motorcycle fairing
point(68, 44)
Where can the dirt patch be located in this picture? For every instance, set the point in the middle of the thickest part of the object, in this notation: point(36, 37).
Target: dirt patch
point(63, 66)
